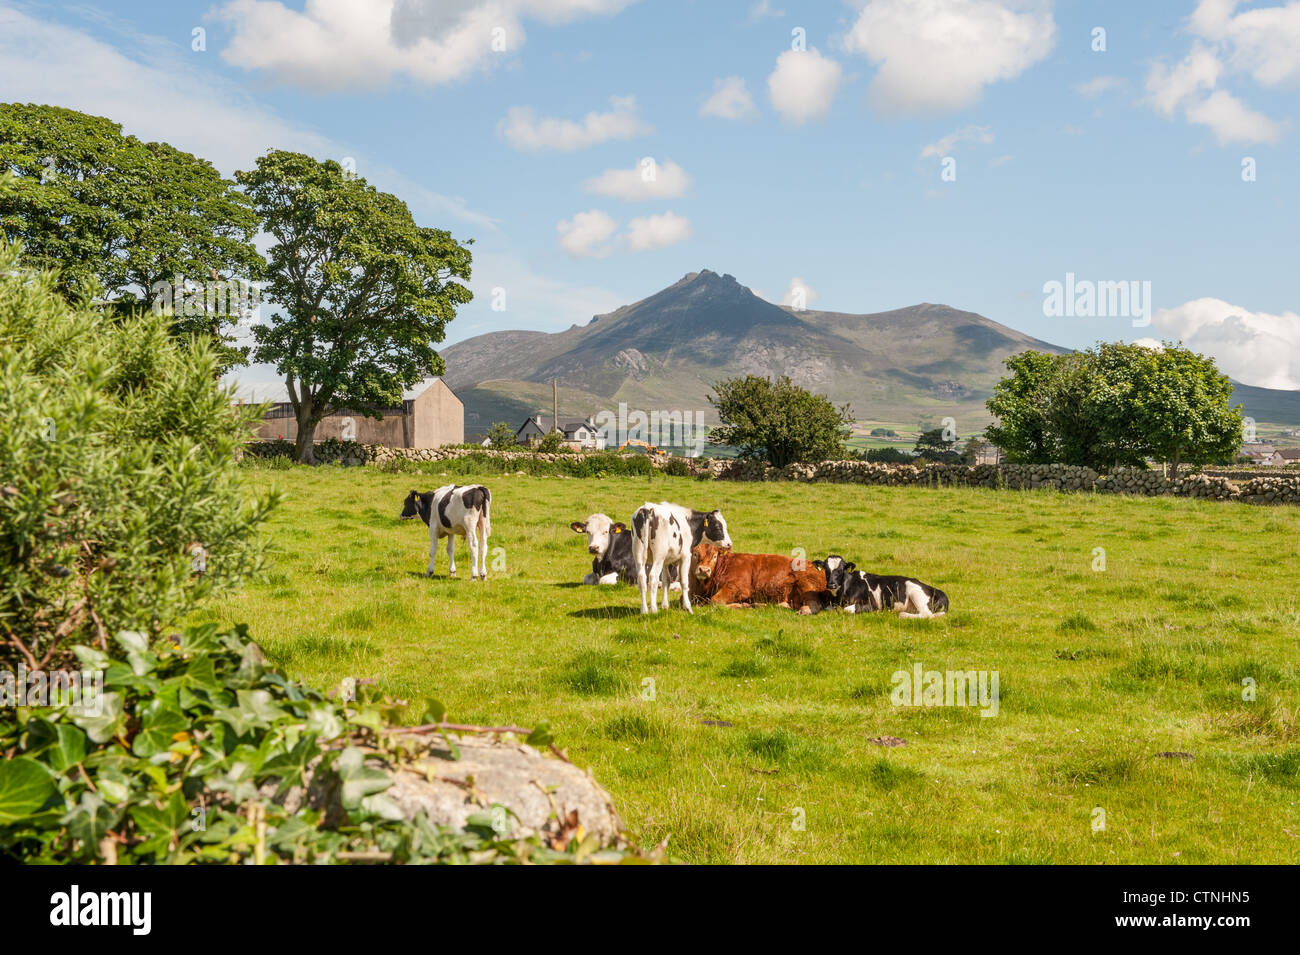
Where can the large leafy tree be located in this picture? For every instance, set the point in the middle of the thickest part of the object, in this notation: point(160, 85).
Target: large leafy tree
point(363, 293)
point(1114, 405)
point(126, 222)
point(778, 421)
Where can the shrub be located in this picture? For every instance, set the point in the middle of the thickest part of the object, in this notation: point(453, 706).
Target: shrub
point(120, 502)
point(195, 756)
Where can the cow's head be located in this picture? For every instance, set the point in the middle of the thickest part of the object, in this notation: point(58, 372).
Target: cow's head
point(704, 559)
point(417, 505)
point(600, 531)
point(715, 529)
point(837, 572)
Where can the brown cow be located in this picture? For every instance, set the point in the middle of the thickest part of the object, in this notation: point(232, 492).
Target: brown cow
point(722, 576)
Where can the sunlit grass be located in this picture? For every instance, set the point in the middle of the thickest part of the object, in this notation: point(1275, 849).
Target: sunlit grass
point(1099, 671)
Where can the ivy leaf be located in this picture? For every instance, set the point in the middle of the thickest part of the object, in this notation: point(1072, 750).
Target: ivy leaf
point(107, 723)
point(291, 767)
point(159, 724)
point(61, 745)
point(541, 735)
point(324, 721)
point(434, 710)
point(25, 786)
point(359, 780)
point(91, 819)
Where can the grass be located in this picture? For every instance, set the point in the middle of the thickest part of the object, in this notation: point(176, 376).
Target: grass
point(1099, 671)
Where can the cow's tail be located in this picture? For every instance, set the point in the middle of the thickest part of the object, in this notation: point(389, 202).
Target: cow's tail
point(487, 514)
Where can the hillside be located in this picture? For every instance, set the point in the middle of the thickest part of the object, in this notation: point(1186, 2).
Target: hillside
point(905, 366)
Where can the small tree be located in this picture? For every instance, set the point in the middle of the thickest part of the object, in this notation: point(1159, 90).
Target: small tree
point(502, 436)
point(365, 293)
point(120, 501)
point(778, 421)
point(550, 443)
point(933, 446)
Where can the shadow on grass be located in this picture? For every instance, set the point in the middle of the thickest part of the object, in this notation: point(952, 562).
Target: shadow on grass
point(604, 613)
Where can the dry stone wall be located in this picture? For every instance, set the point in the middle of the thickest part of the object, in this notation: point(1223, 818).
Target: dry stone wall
point(1262, 488)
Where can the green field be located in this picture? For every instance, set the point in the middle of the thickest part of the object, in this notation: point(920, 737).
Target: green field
point(1099, 671)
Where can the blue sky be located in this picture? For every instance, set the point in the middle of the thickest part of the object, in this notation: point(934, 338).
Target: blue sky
point(822, 169)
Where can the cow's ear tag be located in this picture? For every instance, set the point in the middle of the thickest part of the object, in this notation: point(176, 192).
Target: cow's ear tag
point(706, 522)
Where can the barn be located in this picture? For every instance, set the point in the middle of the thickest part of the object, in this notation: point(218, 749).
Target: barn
point(430, 416)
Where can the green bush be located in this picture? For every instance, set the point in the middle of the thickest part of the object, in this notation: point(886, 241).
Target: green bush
point(120, 502)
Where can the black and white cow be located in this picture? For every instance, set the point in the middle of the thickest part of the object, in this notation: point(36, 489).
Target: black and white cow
point(610, 543)
point(860, 592)
point(662, 536)
point(451, 512)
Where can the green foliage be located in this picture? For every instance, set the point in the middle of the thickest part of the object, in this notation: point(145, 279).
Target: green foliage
point(364, 292)
point(884, 433)
point(501, 436)
point(887, 456)
point(602, 464)
point(202, 755)
point(779, 422)
point(551, 443)
point(113, 215)
point(120, 504)
point(1115, 405)
point(933, 446)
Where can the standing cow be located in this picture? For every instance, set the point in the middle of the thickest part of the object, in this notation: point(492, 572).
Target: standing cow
point(663, 535)
point(451, 512)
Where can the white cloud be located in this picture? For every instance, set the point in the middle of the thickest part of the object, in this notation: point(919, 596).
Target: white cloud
point(1262, 41)
point(587, 235)
point(657, 231)
point(336, 44)
point(1232, 121)
point(803, 85)
point(1171, 87)
point(763, 10)
point(1100, 85)
point(646, 180)
point(730, 100)
point(943, 147)
point(799, 295)
point(938, 55)
point(523, 129)
point(1254, 348)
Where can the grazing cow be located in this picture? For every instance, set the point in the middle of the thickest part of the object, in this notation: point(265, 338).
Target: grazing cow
point(663, 535)
point(860, 592)
point(742, 580)
point(452, 512)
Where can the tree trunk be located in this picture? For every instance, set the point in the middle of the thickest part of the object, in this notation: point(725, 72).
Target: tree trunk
point(303, 450)
point(1173, 464)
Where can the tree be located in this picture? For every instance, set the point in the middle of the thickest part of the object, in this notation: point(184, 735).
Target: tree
point(121, 505)
point(1172, 402)
point(502, 435)
point(127, 222)
point(363, 293)
point(778, 421)
point(1114, 405)
point(934, 446)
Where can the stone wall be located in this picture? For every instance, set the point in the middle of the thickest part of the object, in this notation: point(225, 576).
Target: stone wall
point(1266, 488)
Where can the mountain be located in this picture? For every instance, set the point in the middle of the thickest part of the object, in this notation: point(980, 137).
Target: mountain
point(665, 352)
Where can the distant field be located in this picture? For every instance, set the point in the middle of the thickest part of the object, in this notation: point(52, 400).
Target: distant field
point(1099, 671)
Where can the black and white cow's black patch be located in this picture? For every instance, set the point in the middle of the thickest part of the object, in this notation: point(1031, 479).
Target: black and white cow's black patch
point(452, 512)
point(860, 592)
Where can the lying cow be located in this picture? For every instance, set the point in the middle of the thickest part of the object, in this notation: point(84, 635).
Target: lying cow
point(663, 535)
point(860, 592)
point(742, 580)
point(611, 544)
point(452, 512)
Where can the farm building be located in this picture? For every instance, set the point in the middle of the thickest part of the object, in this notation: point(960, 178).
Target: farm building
point(581, 434)
point(430, 416)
